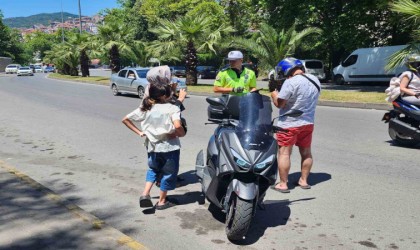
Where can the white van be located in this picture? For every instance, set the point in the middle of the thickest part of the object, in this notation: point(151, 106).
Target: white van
point(314, 67)
point(367, 65)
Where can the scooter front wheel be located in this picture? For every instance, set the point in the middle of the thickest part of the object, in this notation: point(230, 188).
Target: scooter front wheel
point(238, 218)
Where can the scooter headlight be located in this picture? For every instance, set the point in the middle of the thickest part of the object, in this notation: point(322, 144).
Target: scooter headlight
point(267, 162)
point(239, 160)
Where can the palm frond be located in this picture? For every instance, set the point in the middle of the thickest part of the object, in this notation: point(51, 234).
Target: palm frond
point(407, 7)
point(398, 58)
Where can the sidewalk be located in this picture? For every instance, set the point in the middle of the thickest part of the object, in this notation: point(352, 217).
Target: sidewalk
point(33, 217)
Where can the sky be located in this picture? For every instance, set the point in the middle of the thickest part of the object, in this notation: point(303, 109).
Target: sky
point(24, 8)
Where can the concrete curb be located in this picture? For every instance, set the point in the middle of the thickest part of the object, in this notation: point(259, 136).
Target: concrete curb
point(377, 106)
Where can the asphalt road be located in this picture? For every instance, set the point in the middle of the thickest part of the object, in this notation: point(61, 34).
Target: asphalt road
point(69, 137)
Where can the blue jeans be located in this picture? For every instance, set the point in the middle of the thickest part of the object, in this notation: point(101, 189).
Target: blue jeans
point(165, 164)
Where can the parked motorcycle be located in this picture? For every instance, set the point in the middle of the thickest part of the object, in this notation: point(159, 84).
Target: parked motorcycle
point(240, 163)
point(404, 123)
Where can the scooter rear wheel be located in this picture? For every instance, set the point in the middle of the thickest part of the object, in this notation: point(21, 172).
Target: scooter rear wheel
point(401, 139)
point(238, 218)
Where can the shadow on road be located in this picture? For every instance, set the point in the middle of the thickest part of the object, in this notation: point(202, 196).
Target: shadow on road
point(393, 144)
point(314, 178)
point(188, 178)
point(35, 218)
point(276, 214)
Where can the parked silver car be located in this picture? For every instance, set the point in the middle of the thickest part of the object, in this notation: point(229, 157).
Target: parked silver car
point(315, 67)
point(133, 80)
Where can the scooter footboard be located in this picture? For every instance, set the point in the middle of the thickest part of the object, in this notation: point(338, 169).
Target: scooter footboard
point(245, 191)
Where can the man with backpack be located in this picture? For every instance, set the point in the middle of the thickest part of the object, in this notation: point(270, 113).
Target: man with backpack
point(299, 91)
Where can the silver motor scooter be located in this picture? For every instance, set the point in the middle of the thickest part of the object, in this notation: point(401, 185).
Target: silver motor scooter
point(240, 163)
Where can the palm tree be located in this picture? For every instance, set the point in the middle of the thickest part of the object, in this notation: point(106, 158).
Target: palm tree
point(65, 56)
point(85, 45)
point(189, 34)
point(411, 11)
point(117, 40)
point(270, 46)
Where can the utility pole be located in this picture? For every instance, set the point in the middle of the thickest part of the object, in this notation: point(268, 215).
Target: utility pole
point(62, 23)
point(80, 18)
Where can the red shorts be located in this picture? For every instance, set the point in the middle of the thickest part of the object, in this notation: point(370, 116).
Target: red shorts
point(300, 136)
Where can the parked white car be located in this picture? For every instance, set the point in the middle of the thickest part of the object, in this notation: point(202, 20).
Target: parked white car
point(12, 68)
point(314, 67)
point(38, 69)
point(25, 71)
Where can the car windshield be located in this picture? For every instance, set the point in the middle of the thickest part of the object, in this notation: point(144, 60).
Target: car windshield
point(254, 128)
point(12, 66)
point(179, 68)
point(24, 68)
point(313, 64)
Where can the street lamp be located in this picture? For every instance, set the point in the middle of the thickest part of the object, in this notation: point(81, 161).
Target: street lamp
point(80, 18)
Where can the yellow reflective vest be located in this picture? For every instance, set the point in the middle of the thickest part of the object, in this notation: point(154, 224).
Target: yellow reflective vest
point(228, 78)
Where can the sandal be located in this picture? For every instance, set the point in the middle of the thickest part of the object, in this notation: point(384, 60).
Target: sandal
point(145, 201)
point(284, 191)
point(166, 205)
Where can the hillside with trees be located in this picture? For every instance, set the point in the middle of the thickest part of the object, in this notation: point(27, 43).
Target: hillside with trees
point(28, 22)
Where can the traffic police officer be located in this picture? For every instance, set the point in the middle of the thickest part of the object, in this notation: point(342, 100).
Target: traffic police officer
point(236, 79)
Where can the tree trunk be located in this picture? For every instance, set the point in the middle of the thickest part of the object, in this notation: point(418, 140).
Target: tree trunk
point(84, 63)
point(191, 62)
point(114, 59)
point(66, 69)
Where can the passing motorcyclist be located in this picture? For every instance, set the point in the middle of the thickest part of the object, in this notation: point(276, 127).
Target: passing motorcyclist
point(410, 80)
point(236, 79)
point(299, 91)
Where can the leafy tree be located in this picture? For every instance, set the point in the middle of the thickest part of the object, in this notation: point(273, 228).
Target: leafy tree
point(10, 43)
point(241, 14)
point(168, 9)
point(348, 25)
point(191, 34)
point(270, 46)
point(40, 42)
point(130, 15)
point(411, 11)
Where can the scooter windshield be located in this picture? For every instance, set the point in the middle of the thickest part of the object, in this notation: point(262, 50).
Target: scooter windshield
point(254, 128)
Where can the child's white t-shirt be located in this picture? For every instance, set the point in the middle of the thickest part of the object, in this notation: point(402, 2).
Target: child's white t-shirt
point(157, 123)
